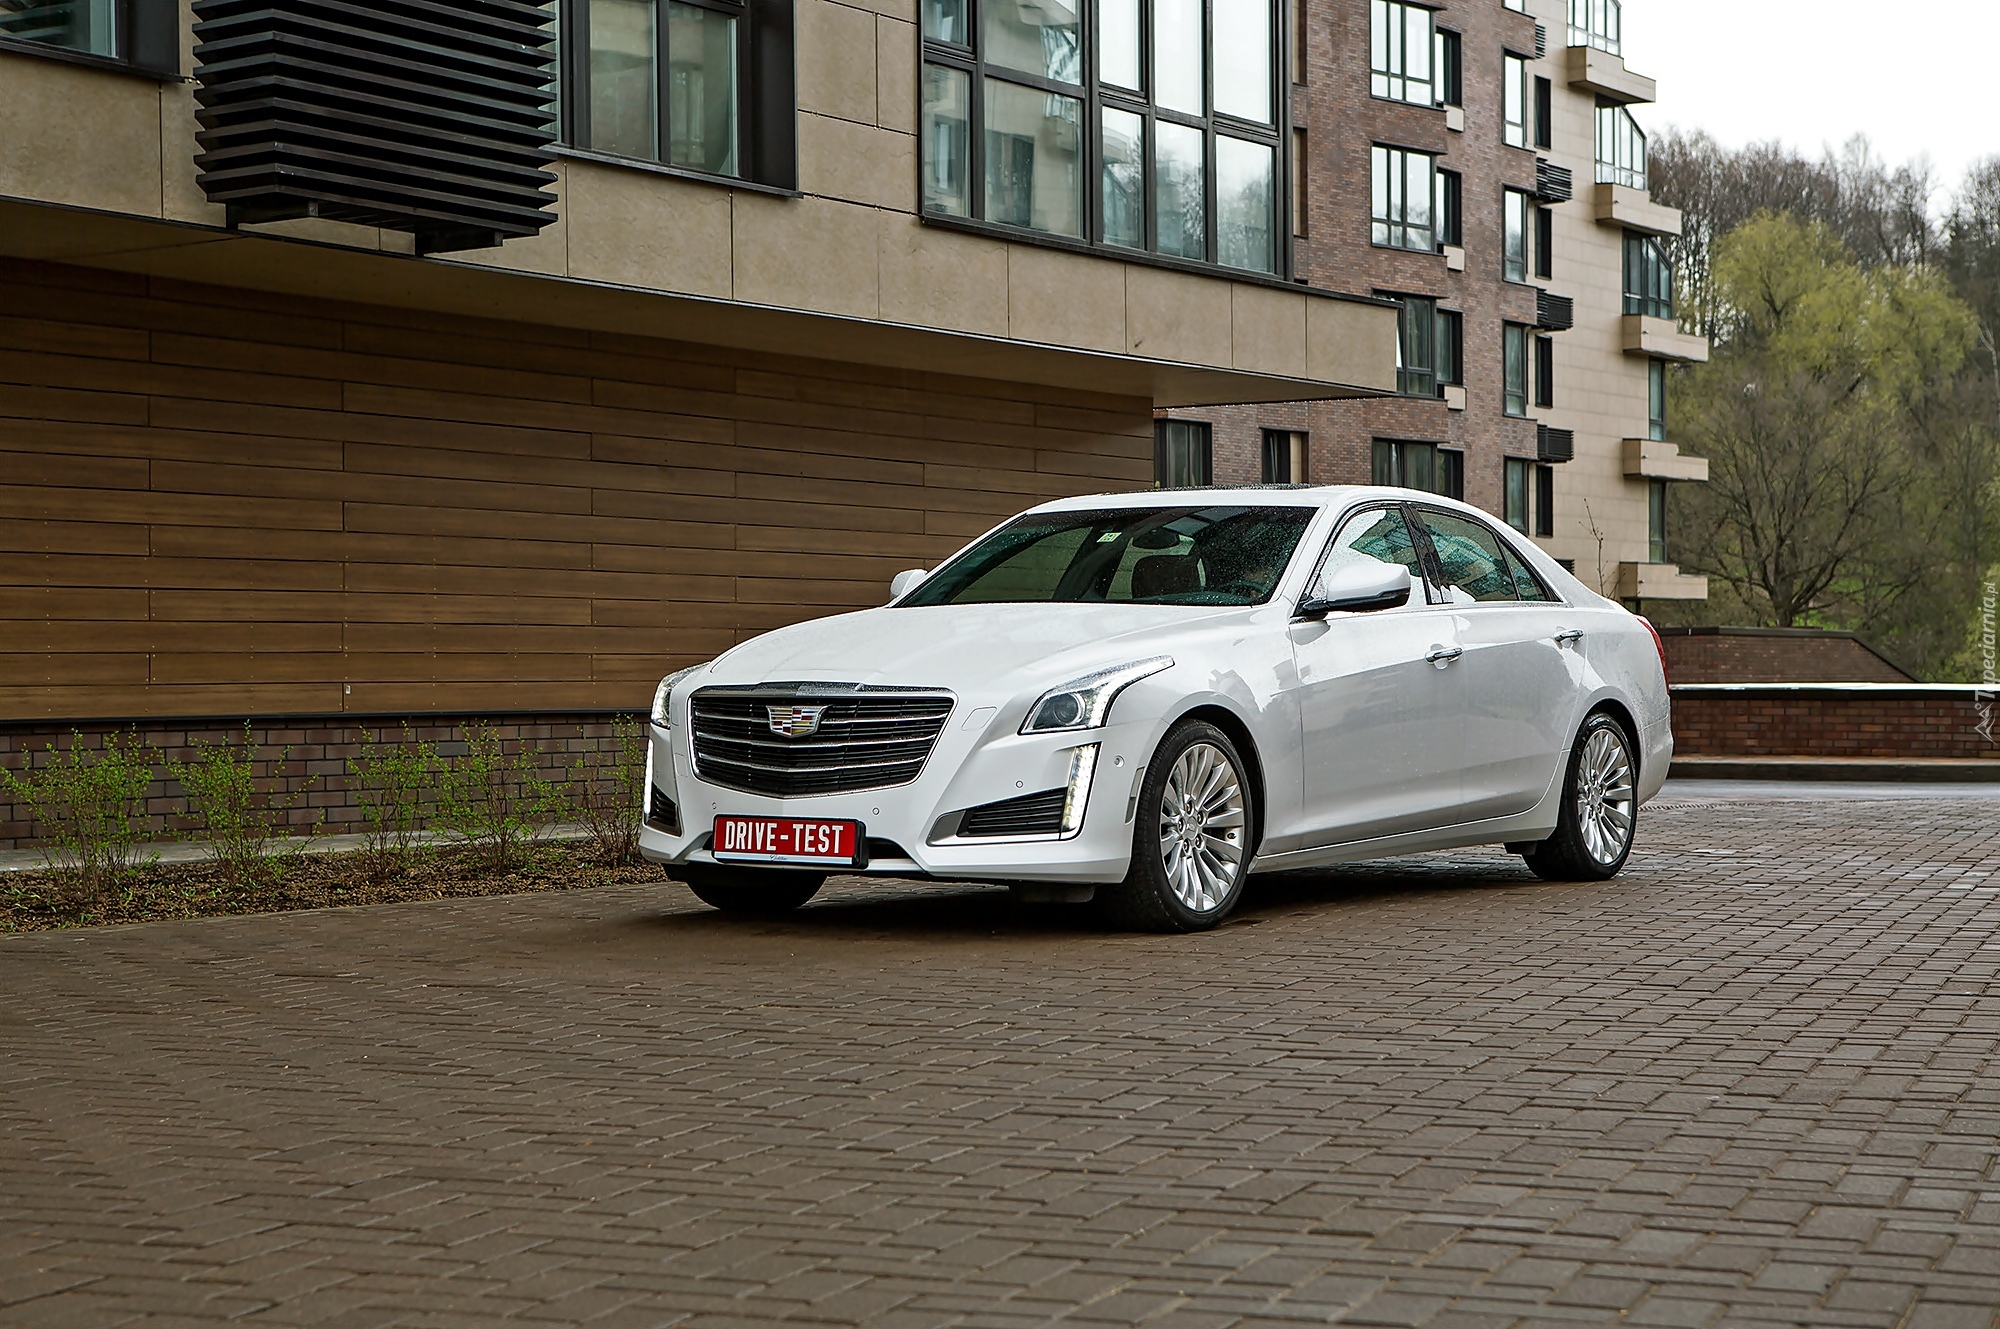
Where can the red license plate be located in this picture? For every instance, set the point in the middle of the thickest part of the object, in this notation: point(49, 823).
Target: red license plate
point(787, 840)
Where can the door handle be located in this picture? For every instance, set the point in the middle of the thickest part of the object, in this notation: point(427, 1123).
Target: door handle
point(1444, 655)
point(1569, 636)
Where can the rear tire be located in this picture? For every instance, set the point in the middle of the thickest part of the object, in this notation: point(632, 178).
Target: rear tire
point(750, 892)
point(1600, 808)
point(1191, 838)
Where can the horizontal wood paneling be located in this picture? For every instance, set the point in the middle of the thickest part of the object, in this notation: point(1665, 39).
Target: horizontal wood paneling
point(220, 502)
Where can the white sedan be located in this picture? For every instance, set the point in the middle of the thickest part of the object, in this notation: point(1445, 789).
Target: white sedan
point(1140, 699)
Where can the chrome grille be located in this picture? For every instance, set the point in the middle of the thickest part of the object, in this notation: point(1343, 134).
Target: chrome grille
point(868, 738)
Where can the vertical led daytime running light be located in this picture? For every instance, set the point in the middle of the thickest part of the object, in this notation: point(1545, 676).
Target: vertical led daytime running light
point(1081, 765)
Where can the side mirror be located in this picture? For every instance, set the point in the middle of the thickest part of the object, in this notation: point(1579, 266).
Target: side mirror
point(1359, 588)
point(905, 582)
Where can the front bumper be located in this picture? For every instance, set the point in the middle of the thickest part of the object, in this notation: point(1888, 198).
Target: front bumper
point(911, 827)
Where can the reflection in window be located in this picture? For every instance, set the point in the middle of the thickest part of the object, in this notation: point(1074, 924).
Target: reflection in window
point(1514, 247)
point(944, 21)
point(1034, 39)
point(1424, 466)
point(1470, 558)
point(1416, 346)
point(701, 89)
point(1033, 159)
point(1243, 191)
point(1656, 400)
point(1118, 42)
point(1179, 192)
point(1404, 187)
point(947, 141)
point(85, 26)
point(624, 116)
point(1621, 149)
point(1402, 51)
point(1649, 277)
point(1124, 174)
point(1378, 536)
point(1243, 60)
point(1656, 521)
point(1514, 368)
point(1514, 100)
point(1598, 23)
point(1177, 56)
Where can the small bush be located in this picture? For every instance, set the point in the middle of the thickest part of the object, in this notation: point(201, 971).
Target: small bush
point(608, 792)
point(247, 829)
point(89, 806)
point(496, 801)
point(390, 780)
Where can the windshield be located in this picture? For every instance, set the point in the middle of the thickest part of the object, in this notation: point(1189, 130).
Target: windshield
point(1166, 556)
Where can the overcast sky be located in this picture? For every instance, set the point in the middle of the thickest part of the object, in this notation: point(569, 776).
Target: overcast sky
point(1916, 76)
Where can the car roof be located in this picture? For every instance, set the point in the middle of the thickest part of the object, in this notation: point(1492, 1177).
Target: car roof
point(1288, 496)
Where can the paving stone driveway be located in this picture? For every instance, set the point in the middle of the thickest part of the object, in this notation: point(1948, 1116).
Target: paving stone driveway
point(1752, 1081)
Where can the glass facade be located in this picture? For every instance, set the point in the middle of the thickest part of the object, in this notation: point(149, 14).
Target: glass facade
point(1598, 23)
point(1171, 112)
point(88, 27)
point(1621, 149)
point(1649, 277)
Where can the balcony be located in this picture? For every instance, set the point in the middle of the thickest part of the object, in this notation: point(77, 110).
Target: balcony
point(1650, 459)
point(1661, 339)
point(1659, 581)
point(1633, 210)
point(1600, 72)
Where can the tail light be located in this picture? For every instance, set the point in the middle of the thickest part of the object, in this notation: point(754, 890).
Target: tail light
point(1658, 645)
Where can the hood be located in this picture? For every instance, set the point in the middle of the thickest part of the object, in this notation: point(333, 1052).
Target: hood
point(958, 645)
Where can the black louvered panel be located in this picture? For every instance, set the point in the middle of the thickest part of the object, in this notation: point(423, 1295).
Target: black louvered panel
point(1554, 313)
point(1029, 814)
point(1553, 183)
point(864, 740)
point(432, 118)
point(1554, 445)
point(1541, 41)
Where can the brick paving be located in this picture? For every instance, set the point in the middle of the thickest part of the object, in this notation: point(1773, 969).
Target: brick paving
point(1751, 1082)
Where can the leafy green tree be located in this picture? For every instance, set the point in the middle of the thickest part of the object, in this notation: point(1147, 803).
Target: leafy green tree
point(1816, 414)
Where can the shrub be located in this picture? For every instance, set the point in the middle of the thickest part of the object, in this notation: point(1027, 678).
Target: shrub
point(608, 791)
point(496, 801)
point(389, 781)
point(89, 805)
point(240, 823)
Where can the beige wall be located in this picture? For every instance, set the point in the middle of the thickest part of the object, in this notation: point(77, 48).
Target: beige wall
point(852, 246)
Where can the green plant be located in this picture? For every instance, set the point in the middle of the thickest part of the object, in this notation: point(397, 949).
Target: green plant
point(497, 801)
point(244, 827)
point(389, 782)
point(608, 791)
point(89, 804)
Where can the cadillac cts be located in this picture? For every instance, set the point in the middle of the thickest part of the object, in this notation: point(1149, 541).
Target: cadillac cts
point(1140, 699)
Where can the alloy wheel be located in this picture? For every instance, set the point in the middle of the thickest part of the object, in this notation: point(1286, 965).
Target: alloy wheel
point(1604, 806)
point(1202, 826)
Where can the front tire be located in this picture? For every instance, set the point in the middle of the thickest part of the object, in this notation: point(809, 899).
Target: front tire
point(750, 892)
point(1600, 808)
point(1191, 837)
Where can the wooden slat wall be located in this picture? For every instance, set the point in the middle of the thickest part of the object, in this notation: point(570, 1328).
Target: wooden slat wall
point(218, 502)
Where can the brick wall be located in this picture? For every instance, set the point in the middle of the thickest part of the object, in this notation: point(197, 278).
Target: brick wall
point(317, 761)
point(1857, 720)
point(1774, 655)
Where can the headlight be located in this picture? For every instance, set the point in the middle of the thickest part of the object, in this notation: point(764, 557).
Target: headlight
point(663, 696)
point(1083, 703)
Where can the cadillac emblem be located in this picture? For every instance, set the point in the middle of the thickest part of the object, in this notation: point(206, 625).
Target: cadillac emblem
point(795, 721)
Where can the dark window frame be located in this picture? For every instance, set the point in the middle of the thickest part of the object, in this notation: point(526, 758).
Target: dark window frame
point(1544, 112)
point(1390, 465)
point(146, 40)
point(1449, 210)
point(1649, 277)
point(1277, 456)
point(1448, 65)
point(766, 93)
point(1656, 400)
point(1391, 223)
point(1656, 521)
point(1095, 97)
point(1545, 243)
point(1200, 434)
point(1545, 372)
point(1514, 371)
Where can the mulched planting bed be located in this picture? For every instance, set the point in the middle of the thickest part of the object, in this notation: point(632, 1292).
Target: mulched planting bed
point(34, 901)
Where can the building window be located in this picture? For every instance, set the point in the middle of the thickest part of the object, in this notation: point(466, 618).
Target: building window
point(1514, 357)
point(1284, 457)
point(1301, 199)
point(1450, 208)
point(1450, 347)
point(1185, 148)
point(1656, 400)
point(1517, 493)
point(1404, 199)
point(1402, 53)
point(1649, 277)
point(1545, 243)
point(1416, 346)
point(1514, 99)
point(1596, 23)
point(1545, 502)
point(1183, 456)
point(141, 34)
point(1424, 466)
point(703, 85)
point(1448, 59)
point(1514, 209)
point(1656, 521)
point(1621, 149)
point(1545, 372)
point(1545, 113)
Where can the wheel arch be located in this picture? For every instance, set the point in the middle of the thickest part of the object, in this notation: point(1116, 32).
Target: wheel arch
point(1621, 714)
point(1232, 724)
